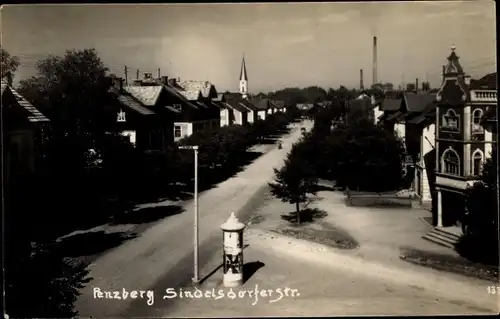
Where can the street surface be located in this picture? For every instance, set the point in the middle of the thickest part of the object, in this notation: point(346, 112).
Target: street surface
point(327, 283)
point(163, 255)
point(370, 280)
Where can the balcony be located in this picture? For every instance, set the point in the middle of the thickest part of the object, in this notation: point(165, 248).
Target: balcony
point(486, 96)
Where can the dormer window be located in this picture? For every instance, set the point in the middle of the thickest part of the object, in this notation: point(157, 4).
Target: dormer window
point(451, 121)
point(121, 116)
point(178, 107)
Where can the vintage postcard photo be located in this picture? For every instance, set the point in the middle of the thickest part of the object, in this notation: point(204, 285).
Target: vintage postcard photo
point(257, 159)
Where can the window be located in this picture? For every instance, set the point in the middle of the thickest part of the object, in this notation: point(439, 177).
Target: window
point(121, 116)
point(177, 131)
point(450, 121)
point(450, 162)
point(178, 107)
point(476, 122)
point(477, 162)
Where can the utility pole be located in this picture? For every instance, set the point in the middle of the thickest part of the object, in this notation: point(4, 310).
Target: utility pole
point(159, 73)
point(403, 82)
point(196, 277)
point(126, 75)
point(137, 75)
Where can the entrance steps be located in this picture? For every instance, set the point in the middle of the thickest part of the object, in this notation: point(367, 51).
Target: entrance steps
point(447, 237)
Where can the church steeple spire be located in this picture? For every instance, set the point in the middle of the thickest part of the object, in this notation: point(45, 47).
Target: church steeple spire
point(243, 78)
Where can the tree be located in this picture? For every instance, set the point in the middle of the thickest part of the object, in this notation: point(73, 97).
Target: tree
point(8, 65)
point(296, 179)
point(481, 226)
point(359, 156)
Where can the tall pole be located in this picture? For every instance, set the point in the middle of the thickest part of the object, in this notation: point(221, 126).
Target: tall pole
point(196, 254)
point(126, 75)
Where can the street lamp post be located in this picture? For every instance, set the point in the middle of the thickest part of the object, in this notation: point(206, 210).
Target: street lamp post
point(196, 277)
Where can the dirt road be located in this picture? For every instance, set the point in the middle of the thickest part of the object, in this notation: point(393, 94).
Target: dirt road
point(163, 254)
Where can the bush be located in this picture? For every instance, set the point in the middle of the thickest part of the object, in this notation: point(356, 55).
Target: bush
point(481, 224)
point(40, 284)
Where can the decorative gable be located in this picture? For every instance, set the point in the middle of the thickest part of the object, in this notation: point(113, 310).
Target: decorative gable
point(453, 91)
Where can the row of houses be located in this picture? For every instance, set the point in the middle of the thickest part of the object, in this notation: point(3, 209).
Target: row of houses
point(448, 135)
point(154, 112)
point(151, 112)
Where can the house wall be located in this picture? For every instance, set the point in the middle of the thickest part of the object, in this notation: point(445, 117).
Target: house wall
point(377, 112)
point(251, 116)
point(427, 144)
point(400, 130)
point(186, 129)
point(131, 134)
point(19, 155)
point(224, 117)
point(238, 117)
point(261, 115)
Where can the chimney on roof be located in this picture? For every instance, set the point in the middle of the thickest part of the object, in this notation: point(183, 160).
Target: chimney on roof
point(361, 86)
point(118, 83)
point(374, 60)
point(164, 80)
point(172, 82)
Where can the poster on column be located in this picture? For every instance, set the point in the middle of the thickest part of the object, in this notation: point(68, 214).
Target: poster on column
point(231, 241)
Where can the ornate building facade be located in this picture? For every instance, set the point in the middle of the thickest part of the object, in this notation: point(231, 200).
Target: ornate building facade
point(462, 144)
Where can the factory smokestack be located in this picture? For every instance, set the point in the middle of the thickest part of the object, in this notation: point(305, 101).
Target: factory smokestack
point(361, 86)
point(374, 60)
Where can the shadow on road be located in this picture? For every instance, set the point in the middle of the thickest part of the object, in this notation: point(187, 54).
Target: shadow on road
point(307, 215)
point(451, 264)
point(249, 269)
point(147, 215)
point(90, 243)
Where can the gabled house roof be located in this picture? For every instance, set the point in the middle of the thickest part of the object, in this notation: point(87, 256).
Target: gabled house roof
point(278, 103)
point(260, 104)
point(147, 95)
point(236, 105)
point(129, 102)
point(219, 98)
point(487, 82)
point(416, 102)
point(190, 95)
point(204, 87)
point(390, 105)
point(34, 114)
point(201, 105)
point(249, 106)
point(177, 91)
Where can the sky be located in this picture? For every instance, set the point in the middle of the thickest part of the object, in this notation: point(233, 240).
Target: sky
point(285, 45)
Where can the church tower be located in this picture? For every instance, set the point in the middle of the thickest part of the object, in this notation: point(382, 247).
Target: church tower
point(243, 79)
